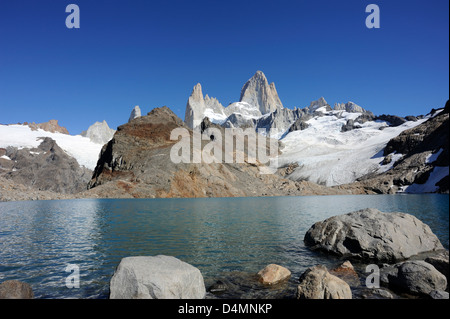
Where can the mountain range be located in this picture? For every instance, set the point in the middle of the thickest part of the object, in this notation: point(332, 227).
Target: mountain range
point(344, 149)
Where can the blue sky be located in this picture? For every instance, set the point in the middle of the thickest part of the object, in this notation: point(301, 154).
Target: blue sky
point(152, 53)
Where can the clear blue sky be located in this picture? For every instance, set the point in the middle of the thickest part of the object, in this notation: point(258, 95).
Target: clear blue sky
point(152, 53)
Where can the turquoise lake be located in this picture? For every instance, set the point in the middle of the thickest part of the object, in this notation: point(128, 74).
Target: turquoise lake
point(223, 237)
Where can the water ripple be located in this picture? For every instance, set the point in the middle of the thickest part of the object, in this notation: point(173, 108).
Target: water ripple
point(229, 239)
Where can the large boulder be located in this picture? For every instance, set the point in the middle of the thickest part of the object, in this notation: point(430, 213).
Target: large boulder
point(14, 289)
point(373, 235)
point(317, 283)
point(156, 277)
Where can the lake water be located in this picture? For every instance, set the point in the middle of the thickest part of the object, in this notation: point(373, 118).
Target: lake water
point(226, 238)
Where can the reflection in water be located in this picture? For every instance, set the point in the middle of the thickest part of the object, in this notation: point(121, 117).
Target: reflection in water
point(220, 236)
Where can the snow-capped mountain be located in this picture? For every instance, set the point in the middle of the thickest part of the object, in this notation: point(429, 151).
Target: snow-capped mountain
point(344, 149)
point(259, 107)
point(258, 98)
point(322, 144)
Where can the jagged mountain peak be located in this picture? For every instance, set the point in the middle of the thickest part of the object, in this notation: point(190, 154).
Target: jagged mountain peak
point(99, 132)
point(350, 107)
point(197, 92)
point(321, 102)
point(258, 92)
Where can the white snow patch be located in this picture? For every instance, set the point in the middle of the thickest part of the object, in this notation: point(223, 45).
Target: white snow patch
point(5, 157)
point(81, 148)
point(438, 173)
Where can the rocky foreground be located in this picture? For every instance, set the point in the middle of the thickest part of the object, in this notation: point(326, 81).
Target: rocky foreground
point(410, 260)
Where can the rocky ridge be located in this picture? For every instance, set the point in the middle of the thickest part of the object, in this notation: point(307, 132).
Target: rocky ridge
point(51, 126)
point(421, 164)
point(45, 168)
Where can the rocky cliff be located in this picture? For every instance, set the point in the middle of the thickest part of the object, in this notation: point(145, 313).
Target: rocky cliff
point(51, 126)
point(45, 168)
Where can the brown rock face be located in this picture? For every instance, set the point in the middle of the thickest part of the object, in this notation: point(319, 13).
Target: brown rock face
point(51, 126)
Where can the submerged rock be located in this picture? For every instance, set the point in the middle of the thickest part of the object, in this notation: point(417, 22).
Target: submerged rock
point(156, 277)
point(346, 272)
point(218, 287)
point(373, 235)
point(376, 293)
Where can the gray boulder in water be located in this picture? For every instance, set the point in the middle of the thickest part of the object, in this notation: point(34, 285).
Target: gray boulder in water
point(415, 277)
point(373, 235)
point(156, 277)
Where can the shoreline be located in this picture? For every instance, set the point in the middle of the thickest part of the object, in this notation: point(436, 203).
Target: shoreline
point(10, 192)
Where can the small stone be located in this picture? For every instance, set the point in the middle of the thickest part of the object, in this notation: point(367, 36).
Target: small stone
point(376, 293)
point(273, 274)
point(218, 287)
point(14, 289)
point(439, 294)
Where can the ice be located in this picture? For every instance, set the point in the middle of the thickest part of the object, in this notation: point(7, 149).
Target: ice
point(327, 156)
